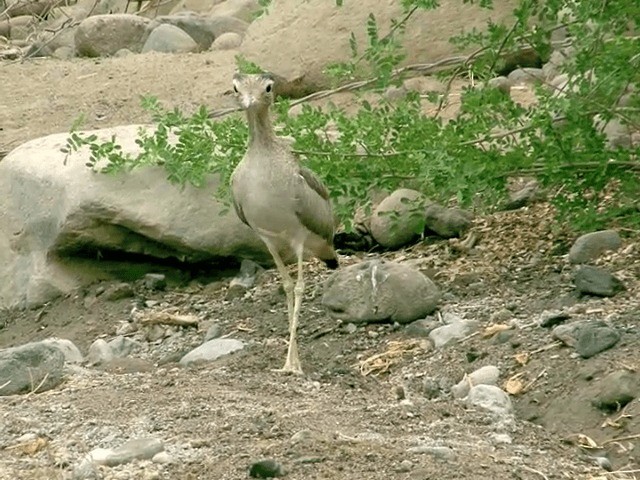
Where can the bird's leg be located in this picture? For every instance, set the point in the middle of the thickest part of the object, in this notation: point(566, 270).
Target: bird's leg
point(293, 361)
point(287, 281)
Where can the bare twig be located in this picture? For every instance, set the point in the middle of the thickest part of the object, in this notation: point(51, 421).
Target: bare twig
point(537, 472)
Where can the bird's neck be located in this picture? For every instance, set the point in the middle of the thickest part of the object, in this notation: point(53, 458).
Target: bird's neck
point(260, 130)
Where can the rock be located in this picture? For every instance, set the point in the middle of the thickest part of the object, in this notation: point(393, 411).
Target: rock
point(51, 212)
point(227, 41)
point(163, 458)
point(243, 9)
point(616, 390)
point(588, 338)
point(551, 319)
point(123, 346)
point(119, 291)
point(398, 219)
point(523, 197)
point(421, 328)
point(596, 281)
point(71, 353)
point(169, 39)
point(592, 245)
point(501, 83)
point(303, 62)
point(64, 53)
point(245, 279)
point(266, 469)
point(490, 398)
point(376, 290)
point(138, 449)
point(104, 35)
point(213, 332)
point(99, 352)
point(526, 76)
point(37, 366)
point(447, 222)
point(596, 339)
point(211, 350)
point(487, 375)
point(618, 134)
point(203, 29)
point(439, 452)
point(395, 93)
point(123, 52)
point(456, 329)
point(20, 27)
point(155, 281)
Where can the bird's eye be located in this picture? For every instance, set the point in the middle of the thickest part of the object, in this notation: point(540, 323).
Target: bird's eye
point(268, 88)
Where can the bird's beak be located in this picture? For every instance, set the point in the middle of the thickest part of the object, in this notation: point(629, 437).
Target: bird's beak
point(248, 101)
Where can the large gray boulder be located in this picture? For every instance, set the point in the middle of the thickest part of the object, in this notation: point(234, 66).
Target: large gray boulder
point(104, 35)
point(321, 32)
point(50, 211)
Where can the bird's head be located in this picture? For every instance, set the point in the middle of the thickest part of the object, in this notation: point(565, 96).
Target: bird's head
point(253, 91)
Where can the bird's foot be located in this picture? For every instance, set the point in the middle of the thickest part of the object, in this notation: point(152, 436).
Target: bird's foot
point(289, 369)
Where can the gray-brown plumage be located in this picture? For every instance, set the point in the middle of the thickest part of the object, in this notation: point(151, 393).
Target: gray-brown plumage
point(283, 202)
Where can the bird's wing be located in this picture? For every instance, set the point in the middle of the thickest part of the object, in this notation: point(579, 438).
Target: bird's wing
point(313, 207)
point(236, 205)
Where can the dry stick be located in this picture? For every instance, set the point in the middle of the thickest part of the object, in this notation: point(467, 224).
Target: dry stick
point(537, 472)
point(5, 384)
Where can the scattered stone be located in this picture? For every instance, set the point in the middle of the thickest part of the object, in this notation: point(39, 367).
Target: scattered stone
point(398, 219)
point(227, 41)
point(501, 438)
point(487, 375)
point(421, 328)
point(211, 350)
point(351, 328)
point(439, 452)
point(526, 76)
point(104, 35)
point(125, 365)
point(245, 280)
point(596, 281)
point(99, 352)
point(501, 83)
point(552, 319)
point(169, 39)
point(118, 291)
point(490, 398)
point(592, 245)
point(604, 463)
point(523, 196)
point(588, 338)
point(163, 458)
point(301, 436)
point(501, 316)
point(71, 353)
point(447, 222)
point(213, 332)
point(126, 328)
point(138, 449)
point(33, 367)
point(616, 390)
point(404, 466)
point(618, 134)
point(431, 388)
point(155, 281)
point(122, 346)
point(155, 333)
point(86, 470)
point(123, 52)
point(455, 330)
point(376, 290)
point(266, 469)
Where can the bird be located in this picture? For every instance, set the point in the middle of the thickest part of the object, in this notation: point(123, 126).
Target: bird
point(283, 202)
